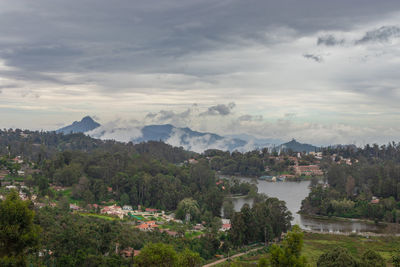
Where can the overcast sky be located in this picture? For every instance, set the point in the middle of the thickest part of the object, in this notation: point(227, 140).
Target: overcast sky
point(320, 71)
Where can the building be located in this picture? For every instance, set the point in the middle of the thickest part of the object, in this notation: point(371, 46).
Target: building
point(147, 226)
point(309, 170)
point(151, 210)
point(74, 207)
point(198, 227)
point(127, 207)
point(225, 227)
point(151, 223)
point(143, 227)
point(225, 221)
point(375, 200)
point(113, 210)
point(127, 253)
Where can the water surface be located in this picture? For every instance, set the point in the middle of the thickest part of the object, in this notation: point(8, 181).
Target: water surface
point(293, 193)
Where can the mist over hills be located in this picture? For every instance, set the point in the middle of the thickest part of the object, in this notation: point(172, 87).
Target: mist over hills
point(180, 137)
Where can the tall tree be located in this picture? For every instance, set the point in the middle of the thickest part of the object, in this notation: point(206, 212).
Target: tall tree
point(289, 254)
point(18, 233)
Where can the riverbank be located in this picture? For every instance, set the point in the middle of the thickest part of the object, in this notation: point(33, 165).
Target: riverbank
point(385, 228)
point(297, 179)
point(343, 219)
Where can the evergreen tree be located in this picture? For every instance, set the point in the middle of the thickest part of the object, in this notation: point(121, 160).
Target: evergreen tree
point(18, 233)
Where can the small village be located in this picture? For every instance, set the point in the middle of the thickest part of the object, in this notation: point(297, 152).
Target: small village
point(13, 177)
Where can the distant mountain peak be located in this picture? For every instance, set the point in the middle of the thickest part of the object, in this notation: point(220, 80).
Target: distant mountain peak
point(87, 119)
point(85, 125)
point(298, 147)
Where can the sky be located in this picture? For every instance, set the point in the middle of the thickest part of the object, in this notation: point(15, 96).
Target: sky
point(323, 72)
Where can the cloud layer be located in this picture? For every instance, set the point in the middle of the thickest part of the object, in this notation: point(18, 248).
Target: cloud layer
point(243, 64)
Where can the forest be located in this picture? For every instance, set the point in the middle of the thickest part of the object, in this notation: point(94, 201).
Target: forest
point(367, 189)
point(76, 169)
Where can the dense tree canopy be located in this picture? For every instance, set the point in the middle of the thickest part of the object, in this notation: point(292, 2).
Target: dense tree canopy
point(18, 233)
point(263, 222)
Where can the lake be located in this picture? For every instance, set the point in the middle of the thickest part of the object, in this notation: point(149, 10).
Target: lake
point(293, 193)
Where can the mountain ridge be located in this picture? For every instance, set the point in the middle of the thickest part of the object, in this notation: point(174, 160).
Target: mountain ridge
point(181, 137)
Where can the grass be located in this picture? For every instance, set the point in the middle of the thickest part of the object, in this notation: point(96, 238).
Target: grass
point(317, 244)
point(104, 217)
point(193, 234)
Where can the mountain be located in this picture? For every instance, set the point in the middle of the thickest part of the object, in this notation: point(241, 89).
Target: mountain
point(189, 139)
point(85, 125)
point(180, 137)
point(175, 136)
point(298, 147)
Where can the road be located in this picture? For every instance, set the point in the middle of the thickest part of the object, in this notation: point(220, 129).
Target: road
point(231, 257)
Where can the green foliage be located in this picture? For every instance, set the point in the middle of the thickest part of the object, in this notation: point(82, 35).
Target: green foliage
point(372, 259)
point(338, 257)
point(289, 254)
point(246, 164)
point(229, 209)
point(158, 254)
point(262, 262)
point(396, 258)
point(188, 258)
point(18, 233)
point(188, 209)
point(261, 223)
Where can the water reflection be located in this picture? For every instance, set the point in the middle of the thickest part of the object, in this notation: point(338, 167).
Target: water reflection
point(337, 226)
point(293, 193)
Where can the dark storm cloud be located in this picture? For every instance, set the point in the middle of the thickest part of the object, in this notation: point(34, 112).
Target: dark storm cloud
point(220, 109)
point(316, 58)
point(97, 35)
point(52, 57)
point(329, 40)
point(383, 34)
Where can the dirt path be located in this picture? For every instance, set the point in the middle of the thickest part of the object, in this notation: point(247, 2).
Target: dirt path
point(231, 257)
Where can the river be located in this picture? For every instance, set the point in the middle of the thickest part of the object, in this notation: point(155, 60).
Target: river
point(293, 193)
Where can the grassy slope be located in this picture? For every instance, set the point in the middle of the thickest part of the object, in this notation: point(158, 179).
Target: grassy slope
point(317, 244)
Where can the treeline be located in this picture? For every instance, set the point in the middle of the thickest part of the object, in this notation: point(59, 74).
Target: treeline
point(265, 221)
point(129, 179)
point(254, 163)
point(38, 146)
point(371, 153)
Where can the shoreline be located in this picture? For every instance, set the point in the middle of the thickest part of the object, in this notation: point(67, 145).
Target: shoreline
point(388, 229)
point(343, 219)
point(300, 179)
